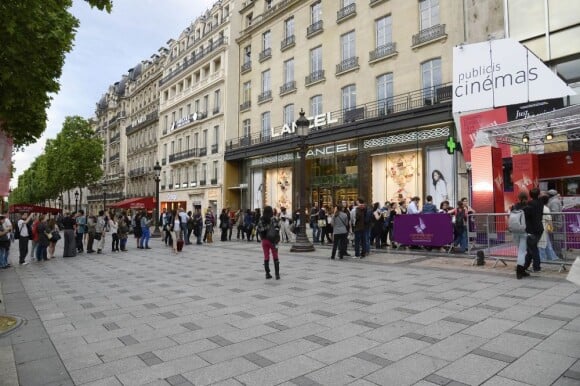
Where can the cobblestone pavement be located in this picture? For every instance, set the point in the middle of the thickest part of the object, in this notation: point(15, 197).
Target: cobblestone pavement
point(208, 316)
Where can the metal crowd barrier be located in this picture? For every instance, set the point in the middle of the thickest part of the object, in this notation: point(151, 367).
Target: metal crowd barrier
point(488, 232)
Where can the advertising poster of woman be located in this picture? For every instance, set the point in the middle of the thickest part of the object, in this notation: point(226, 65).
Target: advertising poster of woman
point(440, 176)
point(257, 189)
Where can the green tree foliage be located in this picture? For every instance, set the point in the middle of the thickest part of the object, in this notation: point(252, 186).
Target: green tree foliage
point(34, 39)
point(71, 160)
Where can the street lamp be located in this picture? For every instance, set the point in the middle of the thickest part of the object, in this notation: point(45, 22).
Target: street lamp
point(302, 243)
point(76, 201)
point(157, 170)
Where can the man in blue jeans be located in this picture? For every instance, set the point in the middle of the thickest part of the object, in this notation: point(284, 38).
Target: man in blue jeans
point(314, 223)
point(361, 242)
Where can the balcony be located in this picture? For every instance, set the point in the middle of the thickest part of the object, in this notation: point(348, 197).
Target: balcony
point(288, 87)
point(195, 58)
point(114, 157)
point(265, 55)
point(246, 105)
point(170, 186)
point(347, 65)
point(162, 187)
point(115, 138)
point(140, 123)
point(216, 110)
point(314, 29)
point(164, 161)
point(202, 151)
point(429, 35)
point(138, 172)
point(246, 67)
point(289, 42)
point(213, 181)
point(373, 3)
point(201, 182)
point(383, 52)
point(214, 148)
point(346, 13)
point(315, 77)
point(265, 96)
point(393, 105)
point(183, 155)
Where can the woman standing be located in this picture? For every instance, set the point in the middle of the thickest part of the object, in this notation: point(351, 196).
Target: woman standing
point(137, 233)
point(175, 230)
point(123, 232)
point(209, 224)
point(249, 224)
point(224, 224)
point(340, 232)
point(145, 233)
point(268, 228)
point(460, 226)
point(257, 216)
point(55, 232)
point(521, 238)
point(114, 229)
point(439, 187)
point(43, 241)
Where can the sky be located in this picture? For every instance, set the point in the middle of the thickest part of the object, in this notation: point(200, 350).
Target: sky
point(106, 47)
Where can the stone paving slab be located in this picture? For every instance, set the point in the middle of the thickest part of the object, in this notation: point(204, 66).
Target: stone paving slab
point(208, 316)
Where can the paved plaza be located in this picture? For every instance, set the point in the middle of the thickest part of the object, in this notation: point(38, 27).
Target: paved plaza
point(208, 316)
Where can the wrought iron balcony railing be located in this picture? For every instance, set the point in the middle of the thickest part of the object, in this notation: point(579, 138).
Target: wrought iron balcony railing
point(314, 77)
point(265, 96)
point(429, 34)
point(314, 29)
point(288, 87)
point(347, 65)
point(246, 105)
point(246, 67)
point(183, 155)
point(214, 148)
point(383, 52)
point(288, 42)
point(266, 54)
point(346, 12)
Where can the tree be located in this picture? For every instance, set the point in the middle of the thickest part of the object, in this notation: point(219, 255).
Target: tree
point(34, 36)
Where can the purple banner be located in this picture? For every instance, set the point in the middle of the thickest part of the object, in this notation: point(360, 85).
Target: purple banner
point(572, 223)
point(432, 229)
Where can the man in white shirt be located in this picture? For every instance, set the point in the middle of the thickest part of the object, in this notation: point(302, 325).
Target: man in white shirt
point(24, 231)
point(183, 218)
point(413, 206)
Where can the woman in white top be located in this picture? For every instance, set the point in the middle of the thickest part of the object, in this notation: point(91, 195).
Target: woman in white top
point(113, 228)
point(175, 230)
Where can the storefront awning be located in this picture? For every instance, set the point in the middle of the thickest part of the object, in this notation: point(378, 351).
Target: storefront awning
point(29, 208)
point(135, 203)
point(561, 125)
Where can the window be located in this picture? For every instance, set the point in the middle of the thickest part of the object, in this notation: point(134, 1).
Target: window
point(172, 147)
point(266, 81)
point(186, 179)
point(187, 143)
point(385, 92)
point(217, 101)
point(197, 106)
point(316, 12)
point(179, 143)
point(289, 71)
point(247, 54)
point(204, 172)
point(216, 135)
point(188, 109)
point(316, 59)
point(196, 141)
point(384, 34)
point(346, 3)
point(164, 179)
point(204, 139)
point(289, 28)
point(289, 115)
point(246, 128)
point(247, 89)
point(316, 105)
point(430, 77)
point(429, 13)
point(180, 112)
point(349, 97)
point(266, 40)
point(194, 174)
point(205, 103)
point(164, 151)
point(347, 45)
point(215, 170)
point(266, 126)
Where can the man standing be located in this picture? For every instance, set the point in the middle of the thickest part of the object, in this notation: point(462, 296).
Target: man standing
point(25, 232)
point(557, 236)
point(183, 217)
point(534, 212)
point(429, 207)
point(314, 223)
point(100, 230)
point(81, 221)
point(69, 224)
point(360, 233)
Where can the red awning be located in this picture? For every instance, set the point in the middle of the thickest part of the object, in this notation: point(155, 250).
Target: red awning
point(135, 203)
point(29, 208)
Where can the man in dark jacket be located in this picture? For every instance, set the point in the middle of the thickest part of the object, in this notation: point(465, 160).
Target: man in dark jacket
point(428, 207)
point(534, 228)
point(360, 233)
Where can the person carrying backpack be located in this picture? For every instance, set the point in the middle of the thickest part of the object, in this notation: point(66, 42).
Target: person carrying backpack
point(268, 227)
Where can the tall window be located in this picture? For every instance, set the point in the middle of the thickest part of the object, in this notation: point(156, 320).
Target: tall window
point(194, 174)
point(266, 81)
point(289, 27)
point(431, 78)
point(217, 101)
point(205, 103)
point(316, 12)
point(188, 109)
point(266, 40)
point(187, 143)
point(429, 13)
point(215, 170)
point(383, 27)
point(289, 70)
point(346, 3)
point(164, 151)
point(204, 172)
point(347, 45)
point(289, 115)
point(349, 97)
point(204, 138)
point(246, 128)
point(247, 54)
point(247, 97)
point(385, 92)
point(186, 179)
point(179, 143)
point(216, 135)
point(316, 105)
point(266, 125)
point(316, 59)
point(196, 141)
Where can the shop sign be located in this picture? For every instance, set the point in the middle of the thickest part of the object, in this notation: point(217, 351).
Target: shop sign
point(331, 150)
point(501, 72)
point(315, 121)
point(528, 110)
point(171, 197)
point(184, 121)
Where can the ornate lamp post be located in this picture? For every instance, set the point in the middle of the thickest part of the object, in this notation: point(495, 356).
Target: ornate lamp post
point(157, 170)
point(302, 243)
point(76, 201)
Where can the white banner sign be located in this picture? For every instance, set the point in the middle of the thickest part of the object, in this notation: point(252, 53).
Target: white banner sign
point(500, 73)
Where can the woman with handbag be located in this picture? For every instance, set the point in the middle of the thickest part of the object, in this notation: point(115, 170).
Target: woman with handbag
point(55, 236)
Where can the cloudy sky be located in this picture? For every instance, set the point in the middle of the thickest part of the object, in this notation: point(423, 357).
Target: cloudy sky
point(106, 46)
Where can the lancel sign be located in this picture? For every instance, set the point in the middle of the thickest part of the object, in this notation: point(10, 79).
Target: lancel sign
point(315, 121)
point(500, 73)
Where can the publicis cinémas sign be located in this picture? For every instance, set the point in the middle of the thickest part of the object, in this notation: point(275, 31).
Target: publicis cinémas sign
point(500, 73)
